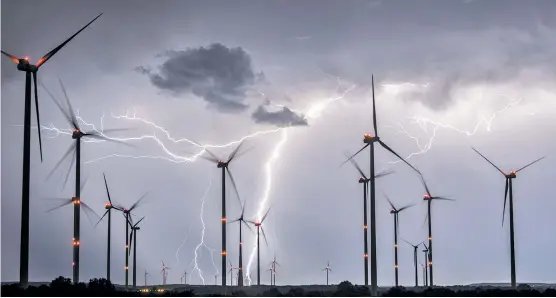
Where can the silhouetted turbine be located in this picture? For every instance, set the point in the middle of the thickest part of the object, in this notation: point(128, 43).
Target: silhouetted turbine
point(396, 212)
point(369, 142)
point(108, 206)
point(415, 247)
point(241, 221)
point(365, 181)
point(426, 267)
point(75, 148)
point(273, 265)
point(429, 198)
point(134, 229)
point(259, 226)
point(224, 166)
point(76, 201)
point(127, 214)
point(29, 69)
point(509, 177)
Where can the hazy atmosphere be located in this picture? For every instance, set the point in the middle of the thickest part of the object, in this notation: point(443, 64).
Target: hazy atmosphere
point(449, 75)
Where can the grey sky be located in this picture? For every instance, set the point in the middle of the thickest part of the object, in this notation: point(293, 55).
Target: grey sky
point(461, 62)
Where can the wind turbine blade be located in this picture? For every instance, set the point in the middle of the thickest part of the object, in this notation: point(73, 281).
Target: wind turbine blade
point(107, 191)
point(105, 213)
point(234, 184)
point(265, 215)
point(398, 156)
point(233, 154)
point(66, 115)
point(426, 186)
point(88, 210)
point(530, 164)
point(390, 202)
point(425, 221)
point(137, 223)
point(490, 162)
point(405, 207)
point(383, 173)
point(243, 152)
point(68, 152)
point(82, 185)
point(116, 129)
point(408, 242)
point(74, 121)
point(104, 138)
point(374, 107)
point(56, 49)
point(231, 222)
point(130, 241)
point(505, 198)
point(138, 201)
point(249, 227)
point(12, 57)
point(243, 208)
point(351, 157)
point(264, 236)
point(67, 202)
point(209, 158)
point(69, 169)
point(442, 198)
point(426, 247)
point(355, 164)
point(37, 112)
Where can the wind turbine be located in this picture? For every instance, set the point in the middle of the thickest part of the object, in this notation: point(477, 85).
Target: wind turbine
point(426, 267)
point(370, 141)
point(509, 177)
point(395, 211)
point(224, 166)
point(415, 247)
point(273, 266)
point(365, 181)
point(259, 226)
point(108, 206)
point(146, 273)
point(127, 214)
point(231, 271)
point(77, 202)
point(184, 278)
point(270, 270)
point(164, 273)
point(75, 148)
point(29, 69)
point(428, 197)
point(327, 269)
point(216, 279)
point(134, 229)
point(241, 221)
point(424, 275)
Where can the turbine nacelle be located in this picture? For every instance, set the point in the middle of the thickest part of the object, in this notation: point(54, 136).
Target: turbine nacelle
point(257, 224)
point(76, 134)
point(221, 164)
point(126, 211)
point(511, 175)
point(107, 206)
point(426, 197)
point(368, 139)
point(363, 180)
point(75, 200)
point(392, 211)
point(24, 65)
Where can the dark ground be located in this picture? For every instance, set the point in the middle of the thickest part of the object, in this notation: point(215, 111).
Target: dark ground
point(101, 287)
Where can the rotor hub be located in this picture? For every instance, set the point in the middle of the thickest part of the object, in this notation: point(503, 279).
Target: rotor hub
point(511, 175)
point(76, 134)
point(368, 138)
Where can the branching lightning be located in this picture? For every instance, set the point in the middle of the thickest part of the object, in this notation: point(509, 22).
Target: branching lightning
point(202, 242)
point(430, 127)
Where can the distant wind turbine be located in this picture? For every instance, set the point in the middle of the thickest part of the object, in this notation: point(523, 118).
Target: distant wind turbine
point(395, 211)
point(134, 229)
point(327, 269)
point(258, 225)
point(415, 247)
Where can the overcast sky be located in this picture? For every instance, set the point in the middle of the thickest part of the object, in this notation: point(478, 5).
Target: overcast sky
point(453, 74)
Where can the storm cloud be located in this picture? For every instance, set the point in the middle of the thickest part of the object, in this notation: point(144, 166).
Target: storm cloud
point(283, 117)
point(218, 74)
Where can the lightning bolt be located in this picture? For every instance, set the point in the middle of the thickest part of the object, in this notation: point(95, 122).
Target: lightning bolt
point(179, 247)
point(315, 110)
point(430, 127)
point(202, 242)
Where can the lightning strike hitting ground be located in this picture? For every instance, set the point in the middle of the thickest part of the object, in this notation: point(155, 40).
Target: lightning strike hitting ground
point(202, 242)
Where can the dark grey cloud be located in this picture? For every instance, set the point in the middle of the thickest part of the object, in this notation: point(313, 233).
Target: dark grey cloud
point(283, 117)
point(217, 73)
